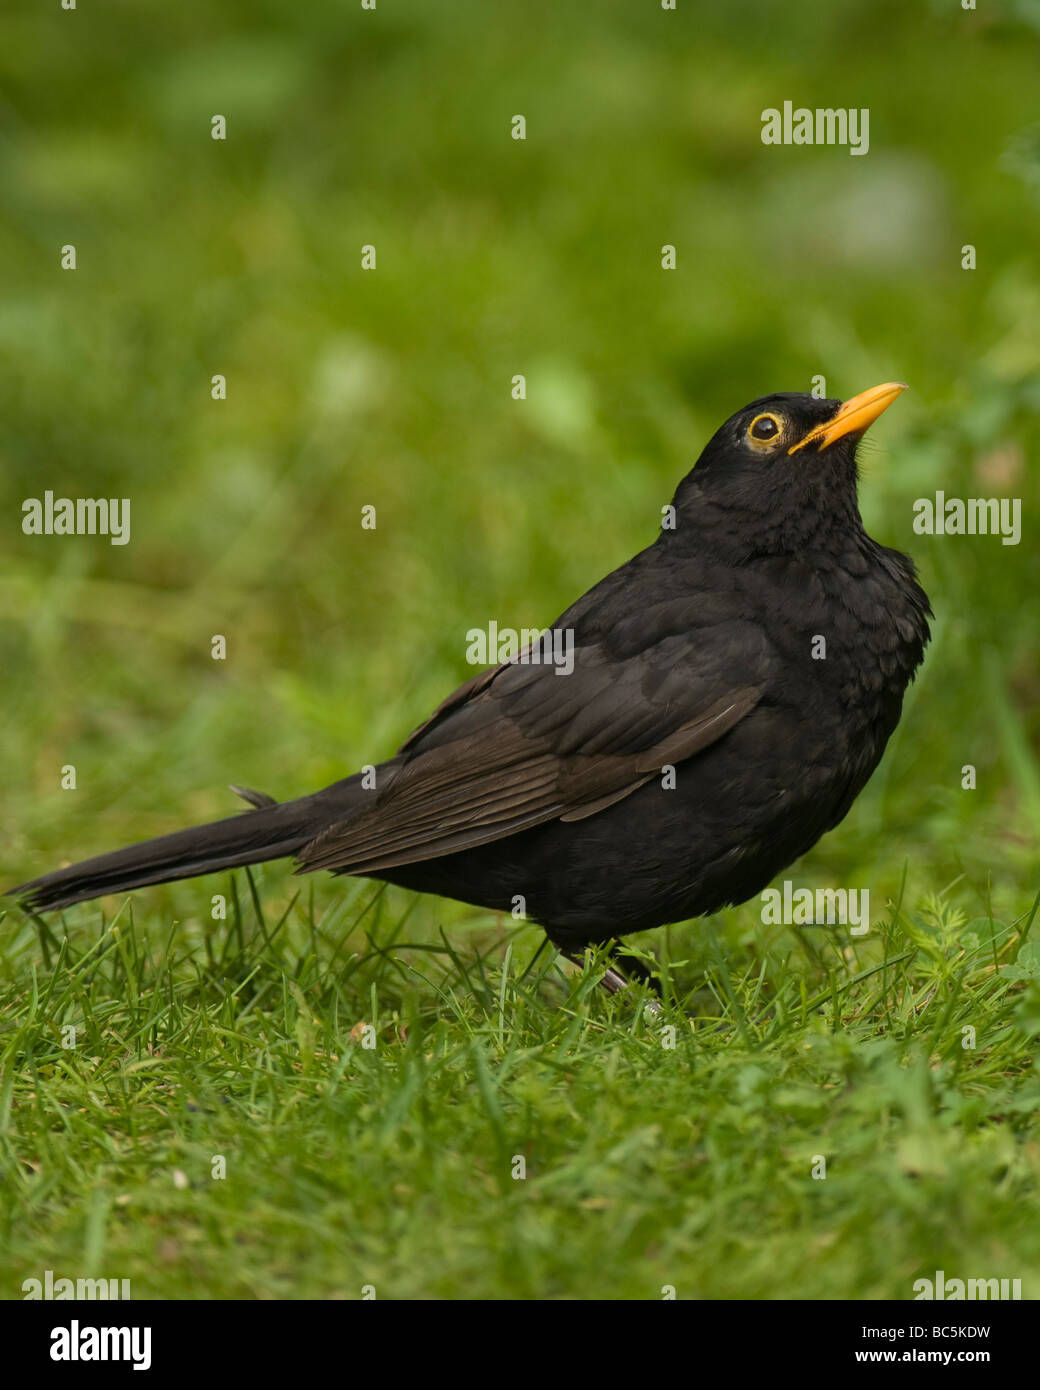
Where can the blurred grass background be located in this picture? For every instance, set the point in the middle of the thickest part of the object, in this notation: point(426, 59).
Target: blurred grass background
point(392, 387)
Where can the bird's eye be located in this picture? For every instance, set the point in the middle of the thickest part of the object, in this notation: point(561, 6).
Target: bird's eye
point(764, 427)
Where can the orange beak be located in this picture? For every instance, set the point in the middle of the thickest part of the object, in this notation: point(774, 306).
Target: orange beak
point(853, 415)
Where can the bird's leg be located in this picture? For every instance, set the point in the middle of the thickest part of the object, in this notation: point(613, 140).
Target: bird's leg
point(634, 971)
point(617, 977)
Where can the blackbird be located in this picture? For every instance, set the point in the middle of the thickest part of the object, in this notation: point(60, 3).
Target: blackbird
point(731, 690)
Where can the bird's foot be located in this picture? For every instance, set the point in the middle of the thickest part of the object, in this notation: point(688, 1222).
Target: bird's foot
point(618, 978)
point(614, 982)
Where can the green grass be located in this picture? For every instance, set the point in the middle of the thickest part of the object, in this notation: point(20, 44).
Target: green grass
point(659, 1149)
point(646, 1165)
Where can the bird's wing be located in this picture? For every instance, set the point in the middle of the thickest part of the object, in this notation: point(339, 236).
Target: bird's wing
point(521, 744)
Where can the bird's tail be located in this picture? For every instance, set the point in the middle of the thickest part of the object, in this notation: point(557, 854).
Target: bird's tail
point(274, 830)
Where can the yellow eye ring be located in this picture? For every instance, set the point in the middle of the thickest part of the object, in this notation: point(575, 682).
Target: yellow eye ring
point(759, 431)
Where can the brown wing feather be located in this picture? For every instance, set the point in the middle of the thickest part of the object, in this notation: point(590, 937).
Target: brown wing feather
point(450, 798)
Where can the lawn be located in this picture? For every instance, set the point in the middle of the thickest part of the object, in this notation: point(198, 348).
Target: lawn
point(333, 1086)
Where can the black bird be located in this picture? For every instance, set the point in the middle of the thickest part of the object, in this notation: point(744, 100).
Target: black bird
point(733, 688)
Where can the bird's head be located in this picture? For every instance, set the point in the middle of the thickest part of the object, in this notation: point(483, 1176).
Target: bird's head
point(784, 466)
